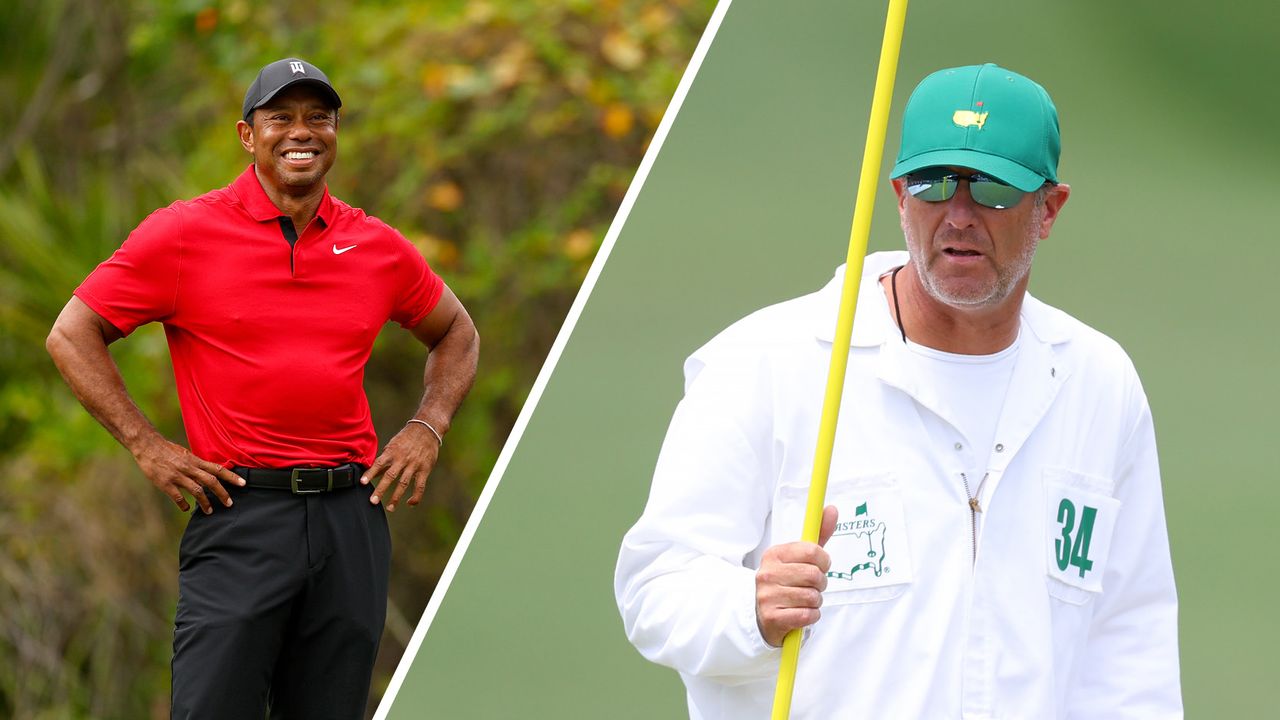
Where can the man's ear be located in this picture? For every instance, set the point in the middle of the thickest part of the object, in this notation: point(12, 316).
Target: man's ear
point(900, 189)
point(1053, 203)
point(245, 130)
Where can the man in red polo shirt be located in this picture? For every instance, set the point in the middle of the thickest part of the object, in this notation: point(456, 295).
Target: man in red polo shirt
point(271, 293)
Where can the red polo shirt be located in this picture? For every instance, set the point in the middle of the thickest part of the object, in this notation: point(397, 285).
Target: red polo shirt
point(269, 341)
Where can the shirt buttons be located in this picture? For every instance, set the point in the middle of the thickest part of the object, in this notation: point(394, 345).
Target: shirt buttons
point(999, 447)
point(959, 446)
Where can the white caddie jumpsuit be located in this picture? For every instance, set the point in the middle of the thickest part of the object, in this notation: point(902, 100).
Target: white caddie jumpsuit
point(1063, 607)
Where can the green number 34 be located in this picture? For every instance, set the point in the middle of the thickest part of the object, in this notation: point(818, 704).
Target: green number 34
point(1074, 552)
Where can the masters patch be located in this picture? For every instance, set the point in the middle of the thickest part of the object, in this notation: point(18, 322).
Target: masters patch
point(869, 546)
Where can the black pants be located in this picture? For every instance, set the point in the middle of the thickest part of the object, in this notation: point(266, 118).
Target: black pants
point(281, 603)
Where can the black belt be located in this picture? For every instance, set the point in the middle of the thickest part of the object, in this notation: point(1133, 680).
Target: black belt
point(300, 480)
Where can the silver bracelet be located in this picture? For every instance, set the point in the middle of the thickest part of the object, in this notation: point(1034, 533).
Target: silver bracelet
point(428, 426)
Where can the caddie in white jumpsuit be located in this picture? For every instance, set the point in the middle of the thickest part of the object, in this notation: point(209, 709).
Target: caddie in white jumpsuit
point(995, 542)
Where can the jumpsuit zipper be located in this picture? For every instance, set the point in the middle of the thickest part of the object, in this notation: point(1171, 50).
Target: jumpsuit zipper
point(974, 509)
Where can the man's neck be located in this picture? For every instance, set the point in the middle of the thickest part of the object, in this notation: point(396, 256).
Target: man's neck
point(301, 207)
point(980, 330)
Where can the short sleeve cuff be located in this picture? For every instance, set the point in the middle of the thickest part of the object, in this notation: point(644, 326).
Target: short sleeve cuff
point(105, 312)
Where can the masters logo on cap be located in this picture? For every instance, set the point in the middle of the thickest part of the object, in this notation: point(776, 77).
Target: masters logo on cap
point(982, 117)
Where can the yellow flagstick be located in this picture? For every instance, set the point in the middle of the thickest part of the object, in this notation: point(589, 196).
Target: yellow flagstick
point(858, 235)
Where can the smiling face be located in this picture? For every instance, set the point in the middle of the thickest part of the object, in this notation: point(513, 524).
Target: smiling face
point(970, 256)
point(293, 140)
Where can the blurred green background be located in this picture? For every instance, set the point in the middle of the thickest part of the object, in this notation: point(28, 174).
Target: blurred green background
point(499, 137)
point(1168, 244)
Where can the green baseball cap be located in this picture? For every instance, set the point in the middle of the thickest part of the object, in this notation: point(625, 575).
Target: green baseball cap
point(982, 117)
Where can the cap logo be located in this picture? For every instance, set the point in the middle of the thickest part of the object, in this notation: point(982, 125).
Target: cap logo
point(296, 67)
point(969, 118)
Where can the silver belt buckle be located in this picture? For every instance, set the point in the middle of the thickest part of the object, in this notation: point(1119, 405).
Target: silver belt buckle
point(293, 481)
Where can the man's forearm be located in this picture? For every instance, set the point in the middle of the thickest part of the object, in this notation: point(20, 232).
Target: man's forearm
point(449, 374)
point(79, 350)
point(451, 367)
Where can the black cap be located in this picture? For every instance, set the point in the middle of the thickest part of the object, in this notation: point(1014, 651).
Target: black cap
point(282, 74)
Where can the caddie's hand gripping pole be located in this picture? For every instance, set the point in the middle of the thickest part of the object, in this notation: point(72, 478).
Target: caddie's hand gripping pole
point(858, 235)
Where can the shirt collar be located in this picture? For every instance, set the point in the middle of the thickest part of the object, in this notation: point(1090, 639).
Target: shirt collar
point(873, 323)
point(260, 208)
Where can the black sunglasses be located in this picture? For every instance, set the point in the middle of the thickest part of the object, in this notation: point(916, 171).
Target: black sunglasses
point(939, 185)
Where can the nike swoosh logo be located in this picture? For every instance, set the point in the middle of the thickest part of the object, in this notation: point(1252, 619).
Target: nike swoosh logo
point(338, 251)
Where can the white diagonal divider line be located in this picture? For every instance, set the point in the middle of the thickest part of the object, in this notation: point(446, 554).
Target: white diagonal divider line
point(553, 358)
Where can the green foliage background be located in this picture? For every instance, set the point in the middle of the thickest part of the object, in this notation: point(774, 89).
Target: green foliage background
point(498, 136)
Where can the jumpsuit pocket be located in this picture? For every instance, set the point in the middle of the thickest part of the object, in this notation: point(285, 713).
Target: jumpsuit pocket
point(870, 558)
point(1079, 519)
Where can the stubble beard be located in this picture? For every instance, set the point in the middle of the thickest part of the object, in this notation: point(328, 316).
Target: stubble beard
point(299, 179)
point(1008, 275)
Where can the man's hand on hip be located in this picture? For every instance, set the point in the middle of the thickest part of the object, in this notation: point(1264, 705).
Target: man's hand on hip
point(790, 582)
point(174, 470)
point(408, 459)
point(78, 345)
